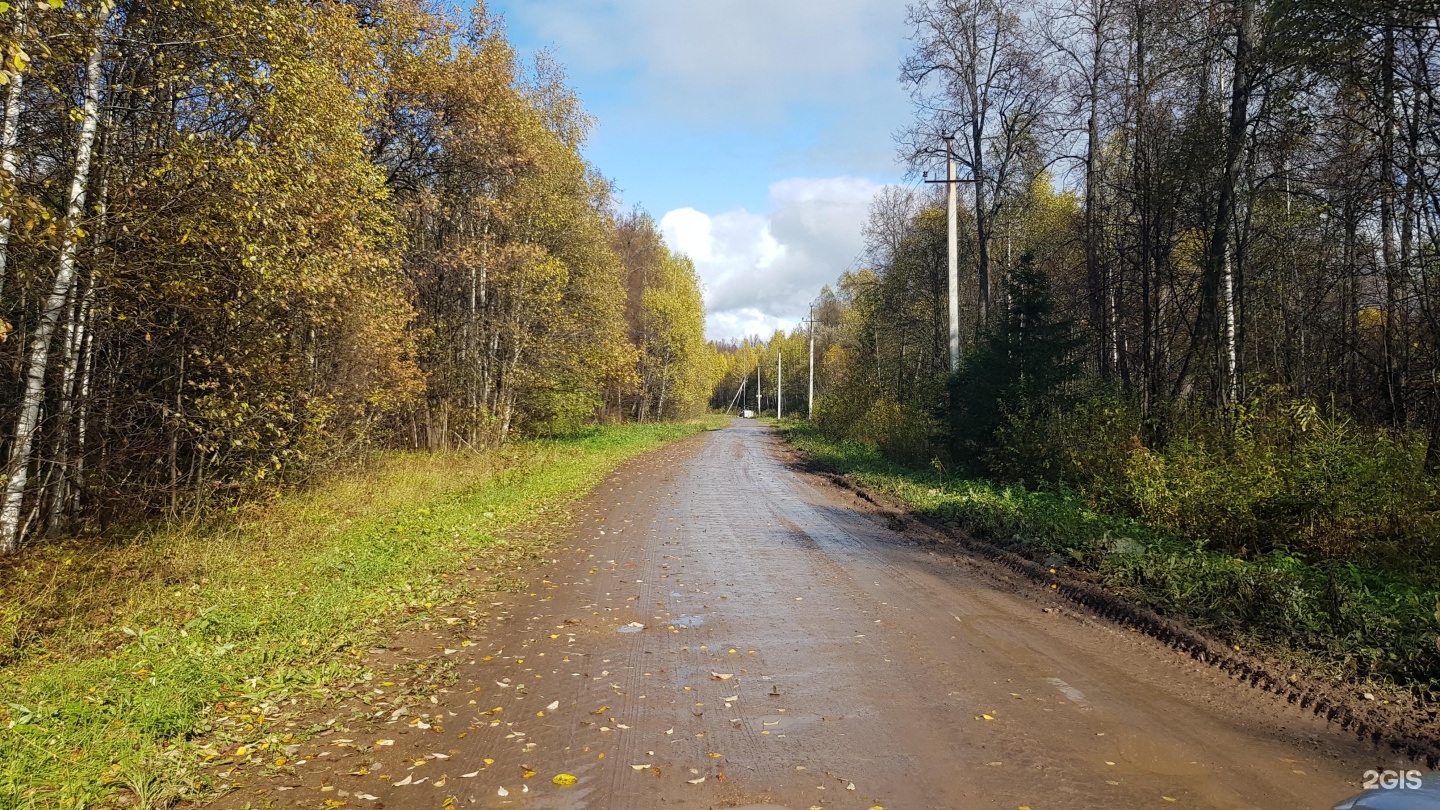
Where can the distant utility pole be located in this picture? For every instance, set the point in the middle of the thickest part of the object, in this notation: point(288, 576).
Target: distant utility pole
point(739, 397)
point(779, 389)
point(953, 256)
point(810, 402)
point(757, 389)
point(953, 245)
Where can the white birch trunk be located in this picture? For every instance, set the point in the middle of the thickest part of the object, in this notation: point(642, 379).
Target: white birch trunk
point(60, 462)
point(28, 421)
point(82, 396)
point(9, 137)
point(76, 344)
point(1227, 330)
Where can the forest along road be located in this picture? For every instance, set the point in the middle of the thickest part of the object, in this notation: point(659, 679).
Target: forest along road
point(725, 630)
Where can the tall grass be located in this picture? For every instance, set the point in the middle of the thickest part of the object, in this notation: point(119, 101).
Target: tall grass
point(122, 658)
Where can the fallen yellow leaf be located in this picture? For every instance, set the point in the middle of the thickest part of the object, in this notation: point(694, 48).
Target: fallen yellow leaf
point(564, 780)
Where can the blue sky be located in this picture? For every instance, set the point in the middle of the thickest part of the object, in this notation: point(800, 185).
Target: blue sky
point(756, 132)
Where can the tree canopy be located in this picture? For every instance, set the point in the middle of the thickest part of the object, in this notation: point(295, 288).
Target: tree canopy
point(243, 241)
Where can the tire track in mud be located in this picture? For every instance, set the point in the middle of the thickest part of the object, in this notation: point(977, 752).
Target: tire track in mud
point(1371, 723)
point(885, 660)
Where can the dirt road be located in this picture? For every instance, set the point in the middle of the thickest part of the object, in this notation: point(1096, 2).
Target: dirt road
point(726, 631)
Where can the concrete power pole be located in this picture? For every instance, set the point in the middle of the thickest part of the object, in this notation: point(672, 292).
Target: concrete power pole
point(739, 397)
point(953, 256)
point(953, 248)
point(757, 389)
point(810, 402)
point(779, 389)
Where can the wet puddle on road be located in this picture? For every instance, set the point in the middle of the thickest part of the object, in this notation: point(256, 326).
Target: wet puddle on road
point(687, 621)
point(779, 723)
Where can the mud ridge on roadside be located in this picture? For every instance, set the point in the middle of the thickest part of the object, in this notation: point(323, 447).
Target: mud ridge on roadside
point(1383, 726)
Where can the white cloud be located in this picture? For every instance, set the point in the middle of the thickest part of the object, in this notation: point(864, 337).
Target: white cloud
point(745, 322)
point(761, 271)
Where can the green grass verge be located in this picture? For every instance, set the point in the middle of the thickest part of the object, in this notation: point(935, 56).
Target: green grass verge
point(1356, 622)
point(120, 654)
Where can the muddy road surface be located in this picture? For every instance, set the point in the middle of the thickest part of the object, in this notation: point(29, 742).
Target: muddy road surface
point(724, 630)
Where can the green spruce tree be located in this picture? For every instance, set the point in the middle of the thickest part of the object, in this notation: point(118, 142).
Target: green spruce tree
point(1016, 372)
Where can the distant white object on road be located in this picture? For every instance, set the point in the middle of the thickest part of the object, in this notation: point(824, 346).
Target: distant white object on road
point(747, 414)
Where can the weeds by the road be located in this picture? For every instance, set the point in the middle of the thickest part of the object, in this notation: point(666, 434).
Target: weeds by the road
point(1360, 622)
point(119, 656)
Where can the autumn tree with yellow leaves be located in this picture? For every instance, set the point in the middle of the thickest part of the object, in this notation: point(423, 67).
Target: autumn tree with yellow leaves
point(241, 241)
point(677, 369)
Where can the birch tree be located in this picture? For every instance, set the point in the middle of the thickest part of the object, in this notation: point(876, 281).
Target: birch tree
point(57, 303)
point(243, 242)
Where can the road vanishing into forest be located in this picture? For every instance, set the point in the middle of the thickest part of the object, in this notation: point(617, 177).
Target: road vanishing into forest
point(724, 629)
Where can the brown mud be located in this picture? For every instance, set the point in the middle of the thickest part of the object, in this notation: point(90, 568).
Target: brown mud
point(724, 630)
